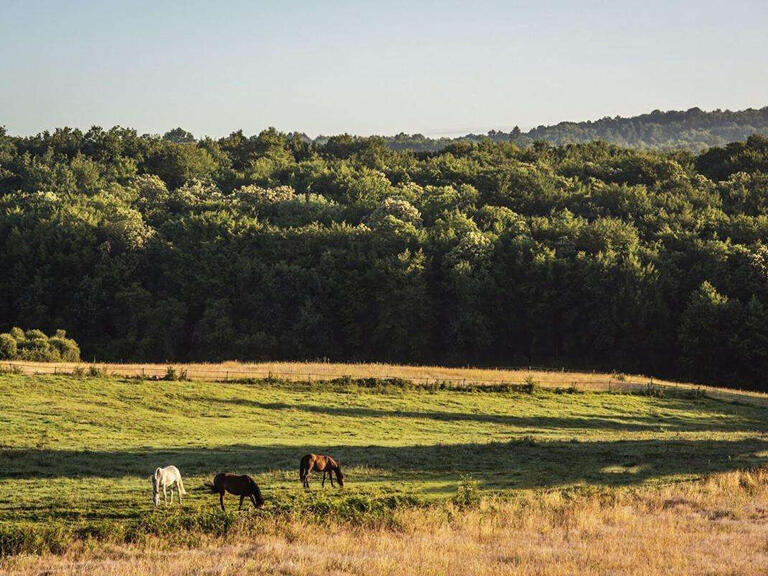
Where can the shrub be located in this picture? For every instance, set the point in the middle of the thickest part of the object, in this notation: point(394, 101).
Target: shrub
point(17, 334)
point(67, 348)
point(35, 345)
point(94, 371)
point(35, 335)
point(8, 347)
point(37, 349)
point(467, 493)
point(172, 374)
point(529, 385)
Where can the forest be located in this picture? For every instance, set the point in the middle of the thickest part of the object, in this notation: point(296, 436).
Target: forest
point(693, 130)
point(274, 246)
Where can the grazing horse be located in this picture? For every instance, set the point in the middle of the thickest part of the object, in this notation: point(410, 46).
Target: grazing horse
point(320, 463)
point(164, 478)
point(239, 486)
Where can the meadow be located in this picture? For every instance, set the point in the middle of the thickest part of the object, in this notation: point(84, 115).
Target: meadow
point(476, 465)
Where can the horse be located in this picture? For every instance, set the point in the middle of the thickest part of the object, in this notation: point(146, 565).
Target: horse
point(239, 486)
point(164, 478)
point(320, 463)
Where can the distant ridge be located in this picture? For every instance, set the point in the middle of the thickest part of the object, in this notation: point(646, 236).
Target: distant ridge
point(693, 130)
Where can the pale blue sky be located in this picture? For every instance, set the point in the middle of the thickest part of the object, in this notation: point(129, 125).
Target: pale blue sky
point(436, 67)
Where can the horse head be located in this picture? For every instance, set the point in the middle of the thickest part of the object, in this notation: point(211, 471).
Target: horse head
point(155, 490)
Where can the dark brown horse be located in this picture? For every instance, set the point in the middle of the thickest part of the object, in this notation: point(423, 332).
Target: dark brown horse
point(239, 486)
point(320, 463)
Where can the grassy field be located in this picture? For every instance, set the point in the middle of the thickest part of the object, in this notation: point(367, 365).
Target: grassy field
point(76, 452)
point(422, 375)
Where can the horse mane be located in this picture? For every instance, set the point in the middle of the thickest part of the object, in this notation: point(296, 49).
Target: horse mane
point(155, 480)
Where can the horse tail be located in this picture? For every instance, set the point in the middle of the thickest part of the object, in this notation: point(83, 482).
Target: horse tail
point(181, 485)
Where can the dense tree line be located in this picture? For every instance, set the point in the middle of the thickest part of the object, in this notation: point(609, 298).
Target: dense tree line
point(693, 130)
point(274, 247)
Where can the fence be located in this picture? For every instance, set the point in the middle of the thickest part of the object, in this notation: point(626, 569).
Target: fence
point(222, 373)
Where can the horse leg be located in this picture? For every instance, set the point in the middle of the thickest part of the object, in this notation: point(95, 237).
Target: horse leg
point(221, 499)
point(165, 496)
point(171, 489)
point(241, 502)
point(323, 482)
point(330, 475)
point(179, 491)
point(306, 478)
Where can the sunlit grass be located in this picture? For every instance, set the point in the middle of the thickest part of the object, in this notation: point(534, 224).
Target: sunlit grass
point(714, 526)
point(77, 452)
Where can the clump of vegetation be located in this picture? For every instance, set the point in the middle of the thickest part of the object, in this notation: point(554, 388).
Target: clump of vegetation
point(467, 492)
point(654, 390)
point(35, 345)
point(96, 372)
point(10, 369)
point(529, 385)
point(173, 375)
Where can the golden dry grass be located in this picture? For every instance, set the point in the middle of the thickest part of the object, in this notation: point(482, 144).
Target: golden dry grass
point(328, 370)
point(715, 526)
point(304, 371)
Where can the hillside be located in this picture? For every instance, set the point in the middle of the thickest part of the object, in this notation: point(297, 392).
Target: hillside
point(693, 130)
point(77, 451)
point(270, 248)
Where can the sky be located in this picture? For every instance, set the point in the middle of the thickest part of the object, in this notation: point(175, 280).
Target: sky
point(372, 67)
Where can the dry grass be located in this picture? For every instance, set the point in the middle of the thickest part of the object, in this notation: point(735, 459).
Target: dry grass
point(327, 370)
point(716, 526)
point(303, 371)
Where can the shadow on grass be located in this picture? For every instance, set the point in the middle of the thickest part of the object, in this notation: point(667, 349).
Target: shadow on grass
point(721, 417)
point(515, 464)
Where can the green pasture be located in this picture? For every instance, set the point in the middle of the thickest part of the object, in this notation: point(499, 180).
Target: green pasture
point(80, 450)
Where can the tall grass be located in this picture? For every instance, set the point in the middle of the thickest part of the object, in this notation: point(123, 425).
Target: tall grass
point(715, 526)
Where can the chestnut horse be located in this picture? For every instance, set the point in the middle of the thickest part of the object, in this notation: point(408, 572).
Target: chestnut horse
point(320, 463)
point(239, 486)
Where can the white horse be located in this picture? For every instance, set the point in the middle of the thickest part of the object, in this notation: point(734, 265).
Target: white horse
point(165, 478)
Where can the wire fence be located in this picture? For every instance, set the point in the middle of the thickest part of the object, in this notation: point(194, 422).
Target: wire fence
point(234, 374)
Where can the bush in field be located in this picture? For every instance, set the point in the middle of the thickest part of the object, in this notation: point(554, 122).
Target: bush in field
point(467, 492)
point(37, 349)
point(17, 334)
point(67, 348)
point(35, 345)
point(8, 347)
